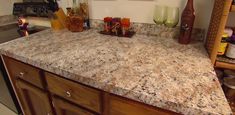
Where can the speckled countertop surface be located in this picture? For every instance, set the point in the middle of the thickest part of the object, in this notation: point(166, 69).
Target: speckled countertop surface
point(7, 19)
point(156, 71)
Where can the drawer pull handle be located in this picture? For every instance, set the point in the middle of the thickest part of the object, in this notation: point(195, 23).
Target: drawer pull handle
point(68, 94)
point(21, 74)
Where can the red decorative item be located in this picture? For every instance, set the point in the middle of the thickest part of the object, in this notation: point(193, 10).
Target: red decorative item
point(117, 27)
point(125, 23)
point(107, 24)
point(187, 21)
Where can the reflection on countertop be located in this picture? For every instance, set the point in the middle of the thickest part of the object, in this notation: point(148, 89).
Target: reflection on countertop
point(156, 71)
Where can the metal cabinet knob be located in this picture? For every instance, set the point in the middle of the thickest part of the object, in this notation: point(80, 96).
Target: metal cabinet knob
point(68, 94)
point(21, 74)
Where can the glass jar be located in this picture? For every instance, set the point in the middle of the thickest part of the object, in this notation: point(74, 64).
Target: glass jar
point(74, 20)
point(75, 23)
point(223, 45)
point(84, 12)
point(75, 7)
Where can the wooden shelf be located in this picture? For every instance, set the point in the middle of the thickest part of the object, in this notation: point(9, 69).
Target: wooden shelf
point(233, 8)
point(224, 62)
point(224, 65)
point(225, 59)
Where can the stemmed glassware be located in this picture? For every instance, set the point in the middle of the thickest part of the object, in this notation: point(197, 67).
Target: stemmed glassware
point(159, 14)
point(172, 17)
point(166, 15)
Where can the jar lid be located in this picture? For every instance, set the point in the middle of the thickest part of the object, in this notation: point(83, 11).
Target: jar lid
point(225, 35)
point(107, 19)
point(229, 72)
point(229, 79)
point(228, 31)
point(230, 82)
point(231, 39)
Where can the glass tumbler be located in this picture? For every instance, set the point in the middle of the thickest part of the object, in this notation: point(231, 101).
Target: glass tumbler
point(172, 18)
point(159, 16)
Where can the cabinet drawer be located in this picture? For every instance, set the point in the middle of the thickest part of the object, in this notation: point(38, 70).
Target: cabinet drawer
point(74, 92)
point(23, 71)
point(63, 107)
point(122, 106)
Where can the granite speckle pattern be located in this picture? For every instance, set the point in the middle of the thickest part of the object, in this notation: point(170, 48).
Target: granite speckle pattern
point(154, 70)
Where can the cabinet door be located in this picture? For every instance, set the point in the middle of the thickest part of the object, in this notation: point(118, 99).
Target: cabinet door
point(74, 92)
point(65, 108)
point(34, 101)
point(122, 106)
point(19, 70)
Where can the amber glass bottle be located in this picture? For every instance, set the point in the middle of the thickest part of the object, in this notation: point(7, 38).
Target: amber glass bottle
point(187, 21)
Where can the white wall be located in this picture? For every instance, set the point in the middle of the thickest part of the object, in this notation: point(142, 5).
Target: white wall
point(137, 10)
point(142, 10)
point(6, 6)
point(231, 19)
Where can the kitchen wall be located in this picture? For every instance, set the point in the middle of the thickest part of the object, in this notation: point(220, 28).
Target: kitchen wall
point(137, 10)
point(142, 10)
point(6, 6)
point(231, 20)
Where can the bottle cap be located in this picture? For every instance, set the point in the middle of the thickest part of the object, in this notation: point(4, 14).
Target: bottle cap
point(225, 35)
point(107, 19)
point(228, 31)
point(125, 21)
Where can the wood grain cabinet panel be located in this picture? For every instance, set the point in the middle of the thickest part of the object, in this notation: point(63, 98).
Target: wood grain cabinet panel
point(65, 108)
point(34, 100)
point(122, 106)
point(74, 92)
point(19, 70)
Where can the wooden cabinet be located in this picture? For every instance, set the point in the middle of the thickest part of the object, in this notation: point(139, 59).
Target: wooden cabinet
point(29, 88)
point(34, 100)
point(63, 107)
point(214, 36)
point(122, 106)
point(43, 93)
point(19, 70)
point(74, 92)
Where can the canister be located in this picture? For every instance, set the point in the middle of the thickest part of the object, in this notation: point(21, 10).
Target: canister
point(223, 45)
point(231, 48)
point(228, 31)
point(107, 24)
point(229, 87)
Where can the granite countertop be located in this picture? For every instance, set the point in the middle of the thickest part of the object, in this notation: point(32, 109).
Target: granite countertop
point(7, 19)
point(152, 70)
